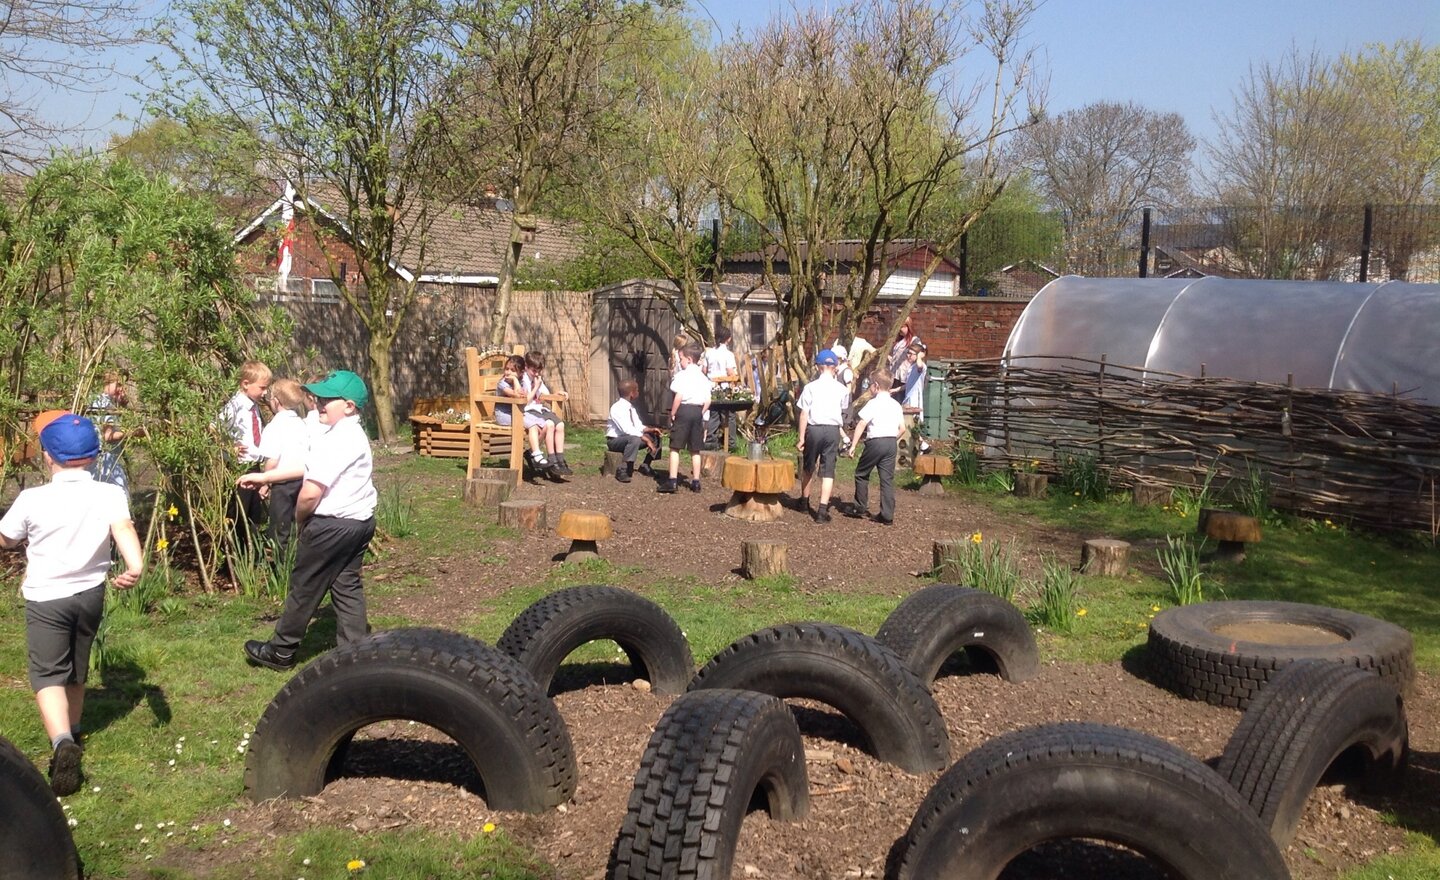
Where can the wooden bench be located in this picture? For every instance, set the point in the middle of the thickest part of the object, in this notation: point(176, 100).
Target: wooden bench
point(487, 437)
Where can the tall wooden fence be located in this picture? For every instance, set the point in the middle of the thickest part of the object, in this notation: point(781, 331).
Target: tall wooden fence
point(1372, 459)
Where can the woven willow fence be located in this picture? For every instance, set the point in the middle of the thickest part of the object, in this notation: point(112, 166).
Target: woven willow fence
point(1372, 459)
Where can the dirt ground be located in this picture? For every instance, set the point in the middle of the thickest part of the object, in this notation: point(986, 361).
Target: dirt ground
point(406, 775)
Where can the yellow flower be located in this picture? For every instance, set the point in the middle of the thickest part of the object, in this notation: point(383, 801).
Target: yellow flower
point(975, 538)
point(161, 544)
point(1182, 513)
point(1154, 607)
point(1081, 612)
point(1077, 494)
point(488, 827)
point(355, 866)
point(173, 512)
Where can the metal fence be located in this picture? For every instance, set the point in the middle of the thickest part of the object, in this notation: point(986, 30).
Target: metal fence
point(1338, 243)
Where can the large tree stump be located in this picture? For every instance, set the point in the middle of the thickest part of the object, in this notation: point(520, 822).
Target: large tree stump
point(1233, 531)
point(1105, 556)
point(932, 469)
point(584, 528)
point(947, 559)
point(505, 474)
point(712, 463)
point(763, 558)
point(756, 488)
point(1150, 494)
point(612, 463)
point(523, 514)
point(486, 492)
point(1031, 485)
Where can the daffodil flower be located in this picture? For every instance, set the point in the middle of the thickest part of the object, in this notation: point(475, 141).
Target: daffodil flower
point(355, 865)
point(1081, 612)
point(161, 545)
point(976, 538)
point(488, 827)
point(172, 512)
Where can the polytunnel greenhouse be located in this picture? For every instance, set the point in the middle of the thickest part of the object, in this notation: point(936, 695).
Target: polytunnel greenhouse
point(1324, 397)
point(1379, 338)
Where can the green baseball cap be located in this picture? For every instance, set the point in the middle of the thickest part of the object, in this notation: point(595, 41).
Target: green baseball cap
point(342, 384)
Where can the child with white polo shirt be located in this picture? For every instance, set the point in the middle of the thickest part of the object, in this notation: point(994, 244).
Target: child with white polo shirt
point(626, 432)
point(284, 445)
point(335, 515)
point(70, 523)
point(687, 416)
point(883, 417)
point(822, 406)
point(240, 419)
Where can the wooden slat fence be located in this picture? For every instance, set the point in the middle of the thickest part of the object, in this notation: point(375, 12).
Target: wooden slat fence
point(1372, 459)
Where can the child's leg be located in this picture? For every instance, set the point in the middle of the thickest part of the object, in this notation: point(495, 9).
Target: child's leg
point(826, 485)
point(535, 441)
point(558, 432)
point(862, 479)
point(674, 464)
point(887, 486)
point(347, 595)
point(55, 711)
point(694, 465)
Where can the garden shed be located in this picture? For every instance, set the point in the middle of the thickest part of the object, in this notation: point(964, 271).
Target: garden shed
point(1378, 338)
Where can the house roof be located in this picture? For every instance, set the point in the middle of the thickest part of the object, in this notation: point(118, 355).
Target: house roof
point(852, 251)
point(466, 243)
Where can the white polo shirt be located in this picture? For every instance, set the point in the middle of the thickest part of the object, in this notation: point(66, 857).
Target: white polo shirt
point(692, 386)
point(340, 461)
point(720, 361)
point(825, 399)
point(885, 415)
point(624, 420)
point(238, 418)
point(67, 522)
point(286, 440)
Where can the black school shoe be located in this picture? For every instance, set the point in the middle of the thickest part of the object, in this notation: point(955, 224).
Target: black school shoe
point(822, 513)
point(667, 487)
point(694, 485)
point(882, 520)
point(265, 654)
point(853, 511)
point(561, 466)
point(65, 775)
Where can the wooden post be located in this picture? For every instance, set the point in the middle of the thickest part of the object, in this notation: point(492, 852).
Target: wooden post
point(763, 558)
point(946, 556)
point(1150, 494)
point(523, 514)
point(1105, 556)
point(612, 463)
point(486, 492)
point(505, 474)
point(1031, 485)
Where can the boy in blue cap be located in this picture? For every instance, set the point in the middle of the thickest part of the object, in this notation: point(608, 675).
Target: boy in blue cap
point(69, 523)
point(822, 406)
point(335, 517)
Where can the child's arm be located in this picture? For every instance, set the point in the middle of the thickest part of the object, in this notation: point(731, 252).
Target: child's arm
point(128, 543)
point(310, 494)
point(804, 423)
point(859, 432)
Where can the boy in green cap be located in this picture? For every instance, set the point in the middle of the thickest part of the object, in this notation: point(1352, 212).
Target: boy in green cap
point(335, 518)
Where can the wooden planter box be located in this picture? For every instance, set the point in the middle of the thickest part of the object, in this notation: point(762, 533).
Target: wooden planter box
point(435, 438)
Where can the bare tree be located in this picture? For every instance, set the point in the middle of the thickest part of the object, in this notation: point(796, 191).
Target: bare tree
point(1099, 165)
point(47, 46)
point(352, 114)
point(850, 122)
point(1286, 154)
point(535, 85)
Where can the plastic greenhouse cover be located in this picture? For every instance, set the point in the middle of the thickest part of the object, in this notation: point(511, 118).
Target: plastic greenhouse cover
point(1327, 334)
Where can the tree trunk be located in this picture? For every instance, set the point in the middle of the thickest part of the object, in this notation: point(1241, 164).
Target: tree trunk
point(381, 389)
point(1105, 556)
point(526, 515)
point(500, 316)
point(763, 558)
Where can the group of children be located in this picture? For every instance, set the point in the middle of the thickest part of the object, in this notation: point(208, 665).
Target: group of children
point(318, 481)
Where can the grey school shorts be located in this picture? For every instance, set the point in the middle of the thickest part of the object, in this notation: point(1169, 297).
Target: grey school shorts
point(688, 431)
point(822, 446)
point(59, 633)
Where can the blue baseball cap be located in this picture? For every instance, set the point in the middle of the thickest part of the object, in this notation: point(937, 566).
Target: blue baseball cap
point(70, 438)
point(827, 358)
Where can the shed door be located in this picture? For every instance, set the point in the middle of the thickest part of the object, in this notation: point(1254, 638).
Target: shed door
point(640, 333)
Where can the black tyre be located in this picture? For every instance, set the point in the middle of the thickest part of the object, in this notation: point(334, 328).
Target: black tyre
point(935, 622)
point(711, 754)
point(845, 669)
point(1309, 714)
point(545, 633)
point(1224, 652)
point(1064, 781)
point(35, 840)
point(478, 696)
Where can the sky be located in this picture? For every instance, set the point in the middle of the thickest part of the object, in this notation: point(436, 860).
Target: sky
point(1167, 56)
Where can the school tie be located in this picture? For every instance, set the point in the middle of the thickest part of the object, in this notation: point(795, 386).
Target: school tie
point(255, 424)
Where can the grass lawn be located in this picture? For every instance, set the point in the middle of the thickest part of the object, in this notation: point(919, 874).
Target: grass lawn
point(168, 721)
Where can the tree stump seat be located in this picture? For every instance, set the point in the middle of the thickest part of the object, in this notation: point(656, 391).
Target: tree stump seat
point(612, 463)
point(1029, 485)
point(712, 463)
point(756, 487)
point(1233, 531)
point(1150, 494)
point(763, 558)
point(932, 469)
point(584, 528)
point(1105, 556)
point(524, 514)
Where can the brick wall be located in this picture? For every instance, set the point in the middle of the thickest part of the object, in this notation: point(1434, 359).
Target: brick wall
point(952, 329)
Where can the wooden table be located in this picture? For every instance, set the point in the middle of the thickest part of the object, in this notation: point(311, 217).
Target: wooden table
point(757, 486)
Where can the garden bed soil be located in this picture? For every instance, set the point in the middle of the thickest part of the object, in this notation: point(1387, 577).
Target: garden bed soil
point(401, 775)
